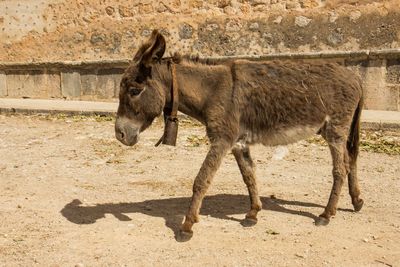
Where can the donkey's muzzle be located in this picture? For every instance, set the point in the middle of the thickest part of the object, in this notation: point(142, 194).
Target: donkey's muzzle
point(125, 134)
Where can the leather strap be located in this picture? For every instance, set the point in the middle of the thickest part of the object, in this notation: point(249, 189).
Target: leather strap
point(171, 114)
point(175, 93)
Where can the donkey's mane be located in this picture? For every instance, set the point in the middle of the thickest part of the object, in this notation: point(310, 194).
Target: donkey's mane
point(204, 61)
point(178, 58)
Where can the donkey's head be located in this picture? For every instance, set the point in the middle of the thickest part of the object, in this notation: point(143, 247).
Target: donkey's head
point(141, 97)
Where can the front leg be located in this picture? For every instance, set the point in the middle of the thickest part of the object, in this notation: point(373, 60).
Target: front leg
point(202, 182)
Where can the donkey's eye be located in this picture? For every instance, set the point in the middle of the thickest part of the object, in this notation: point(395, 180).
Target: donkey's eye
point(134, 91)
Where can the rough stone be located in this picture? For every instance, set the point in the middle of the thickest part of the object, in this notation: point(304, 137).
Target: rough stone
point(110, 10)
point(235, 4)
point(233, 26)
point(355, 15)
point(165, 32)
point(278, 6)
point(217, 41)
point(98, 38)
point(78, 37)
point(293, 5)
point(333, 16)
point(230, 10)
point(198, 45)
point(145, 8)
point(71, 85)
point(245, 8)
point(129, 34)
point(185, 31)
point(3, 84)
point(146, 32)
point(212, 26)
point(222, 3)
point(254, 26)
point(125, 11)
point(115, 45)
point(260, 2)
point(278, 20)
point(335, 38)
point(161, 7)
point(310, 3)
point(268, 37)
point(196, 4)
point(302, 21)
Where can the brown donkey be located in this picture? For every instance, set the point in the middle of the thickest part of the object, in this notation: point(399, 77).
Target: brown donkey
point(242, 103)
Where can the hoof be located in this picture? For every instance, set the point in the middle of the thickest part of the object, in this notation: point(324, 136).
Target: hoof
point(248, 222)
point(321, 221)
point(358, 206)
point(184, 236)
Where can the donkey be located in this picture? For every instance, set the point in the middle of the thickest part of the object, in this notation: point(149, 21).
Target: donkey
point(242, 103)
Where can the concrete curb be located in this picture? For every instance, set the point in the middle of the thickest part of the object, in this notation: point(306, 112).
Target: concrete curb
point(370, 119)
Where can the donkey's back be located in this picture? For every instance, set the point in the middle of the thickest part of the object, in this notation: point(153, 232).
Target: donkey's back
point(282, 102)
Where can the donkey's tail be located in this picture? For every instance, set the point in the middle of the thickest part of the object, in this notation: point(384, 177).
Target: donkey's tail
point(354, 136)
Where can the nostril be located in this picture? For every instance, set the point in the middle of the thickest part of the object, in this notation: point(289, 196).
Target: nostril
point(119, 133)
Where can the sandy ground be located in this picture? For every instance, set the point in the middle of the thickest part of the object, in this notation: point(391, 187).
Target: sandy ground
point(71, 195)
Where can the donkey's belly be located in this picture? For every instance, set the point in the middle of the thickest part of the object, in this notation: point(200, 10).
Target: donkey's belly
point(281, 136)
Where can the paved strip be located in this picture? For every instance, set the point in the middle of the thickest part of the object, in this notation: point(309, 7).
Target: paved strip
point(380, 116)
point(370, 118)
point(8, 105)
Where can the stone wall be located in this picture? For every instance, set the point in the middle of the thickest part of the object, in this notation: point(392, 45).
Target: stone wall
point(55, 30)
point(73, 81)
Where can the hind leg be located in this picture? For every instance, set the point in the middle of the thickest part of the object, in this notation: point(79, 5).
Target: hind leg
point(337, 147)
point(246, 166)
point(354, 189)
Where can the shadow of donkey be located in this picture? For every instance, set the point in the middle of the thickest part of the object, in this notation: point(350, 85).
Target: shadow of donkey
point(173, 209)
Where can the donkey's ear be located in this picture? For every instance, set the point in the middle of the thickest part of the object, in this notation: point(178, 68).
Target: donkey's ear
point(144, 47)
point(139, 54)
point(155, 50)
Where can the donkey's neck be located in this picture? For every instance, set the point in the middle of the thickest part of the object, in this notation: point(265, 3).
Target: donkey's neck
point(198, 86)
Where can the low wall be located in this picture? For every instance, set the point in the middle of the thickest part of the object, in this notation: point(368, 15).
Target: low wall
point(68, 80)
point(99, 80)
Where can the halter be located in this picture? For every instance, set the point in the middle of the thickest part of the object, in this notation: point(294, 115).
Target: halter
point(171, 113)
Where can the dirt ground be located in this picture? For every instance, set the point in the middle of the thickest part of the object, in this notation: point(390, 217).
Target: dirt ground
point(71, 195)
